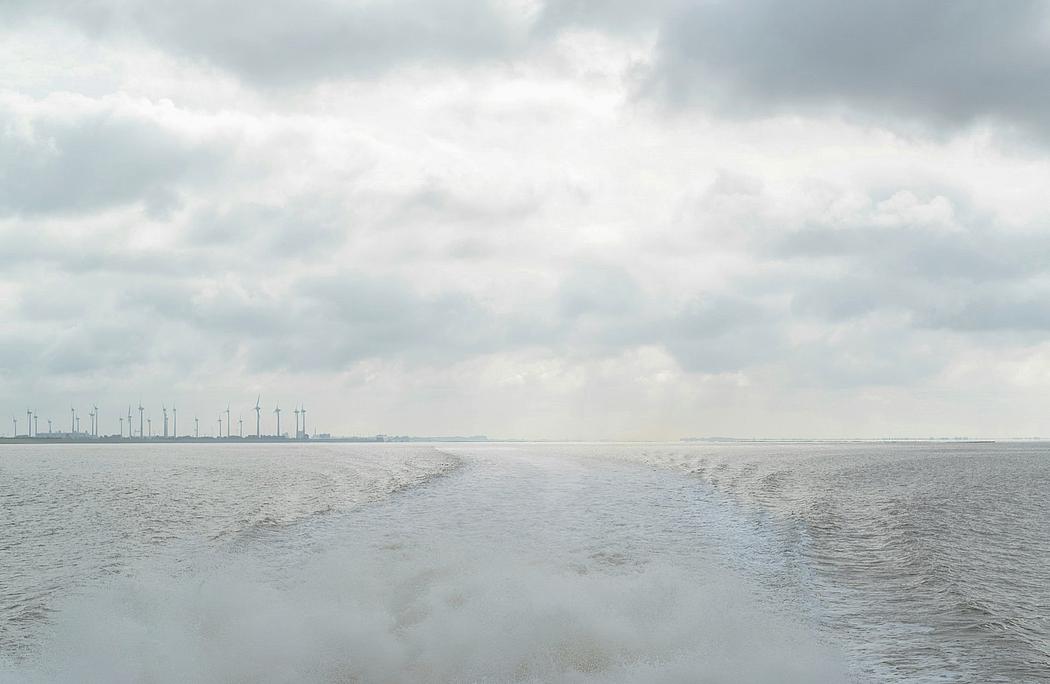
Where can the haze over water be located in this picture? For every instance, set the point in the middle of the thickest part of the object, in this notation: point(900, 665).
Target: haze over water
point(525, 562)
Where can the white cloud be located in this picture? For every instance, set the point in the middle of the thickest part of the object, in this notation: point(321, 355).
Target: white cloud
point(464, 217)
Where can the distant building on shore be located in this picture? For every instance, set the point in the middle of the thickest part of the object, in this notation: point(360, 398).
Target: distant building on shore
point(63, 435)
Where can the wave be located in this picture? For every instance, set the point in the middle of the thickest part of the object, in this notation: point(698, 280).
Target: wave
point(502, 572)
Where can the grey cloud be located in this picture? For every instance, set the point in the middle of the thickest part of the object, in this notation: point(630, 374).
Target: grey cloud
point(435, 203)
point(597, 310)
point(949, 63)
point(977, 280)
point(600, 290)
point(975, 254)
point(845, 297)
point(80, 345)
point(332, 322)
point(241, 313)
point(35, 249)
point(318, 323)
point(301, 227)
point(56, 164)
point(292, 40)
point(617, 15)
point(15, 349)
point(1014, 308)
point(92, 347)
point(724, 333)
point(286, 42)
point(886, 352)
point(346, 318)
point(603, 308)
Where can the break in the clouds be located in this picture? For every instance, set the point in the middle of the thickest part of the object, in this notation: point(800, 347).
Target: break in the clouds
point(531, 219)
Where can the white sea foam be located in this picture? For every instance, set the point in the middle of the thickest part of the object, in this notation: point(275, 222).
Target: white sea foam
point(344, 616)
point(516, 568)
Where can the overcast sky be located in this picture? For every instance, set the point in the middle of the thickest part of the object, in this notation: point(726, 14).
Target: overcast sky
point(529, 218)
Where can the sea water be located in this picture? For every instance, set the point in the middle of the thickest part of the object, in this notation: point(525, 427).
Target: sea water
point(524, 562)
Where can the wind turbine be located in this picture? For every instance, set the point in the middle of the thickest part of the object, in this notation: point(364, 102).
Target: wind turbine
point(121, 427)
point(227, 419)
point(277, 410)
point(91, 425)
point(240, 426)
point(96, 419)
point(141, 433)
point(77, 420)
point(258, 409)
point(196, 427)
point(72, 419)
point(302, 410)
point(149, 422)
point(15, 421)
point(296, 421)
point(129, 422)
point(49, 426)
point(164, 408)
point(36, 424)
point(29, 423)
point(174, 422)
point(220, 426)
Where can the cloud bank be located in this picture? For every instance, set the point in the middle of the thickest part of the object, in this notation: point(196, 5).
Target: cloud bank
point(531, 219)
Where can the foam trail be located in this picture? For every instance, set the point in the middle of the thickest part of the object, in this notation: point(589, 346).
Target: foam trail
point(349, 617)
point(509, 570)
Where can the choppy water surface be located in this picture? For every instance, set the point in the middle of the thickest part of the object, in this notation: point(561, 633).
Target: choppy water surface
point(932, 560)
point(75, 514)
point(523, 562)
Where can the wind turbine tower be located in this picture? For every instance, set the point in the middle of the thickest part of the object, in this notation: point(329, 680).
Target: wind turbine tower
point(174, 421)
point(91, 425)
point(29, 423)
point(240, 427)
point(196, 426)
point(258, 410)
point(15, 421)
point(36, 425)
point(129, 422)
point(149, 422)
point(227, 419)
point(95, 420)
point(297, 421)
point(72, 419)
point(122, 427)
point(302, 410)
point(164, 408)
point(277, 411)
point(141, 433)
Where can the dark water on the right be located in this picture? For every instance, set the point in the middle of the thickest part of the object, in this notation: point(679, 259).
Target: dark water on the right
point(932, 561)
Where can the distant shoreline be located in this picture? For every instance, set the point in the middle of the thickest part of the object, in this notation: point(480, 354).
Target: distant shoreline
point(401, 439)
point(382, 439)
point(858, 440)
